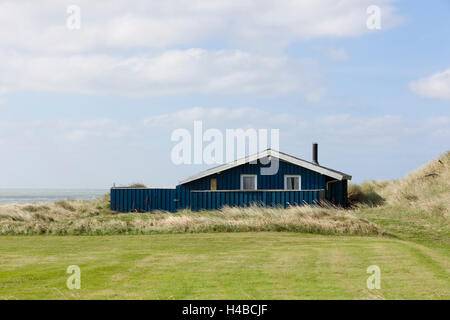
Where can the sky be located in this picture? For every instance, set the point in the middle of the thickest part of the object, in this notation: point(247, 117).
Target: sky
point(90, 98)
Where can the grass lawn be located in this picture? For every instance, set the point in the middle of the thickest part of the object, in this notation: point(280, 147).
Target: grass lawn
point(413, 225)
point(220, 266)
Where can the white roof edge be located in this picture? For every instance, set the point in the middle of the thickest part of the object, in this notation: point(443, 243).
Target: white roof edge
point(226, 166)
point(282, 156)
point(164, 188)
point(314, 167)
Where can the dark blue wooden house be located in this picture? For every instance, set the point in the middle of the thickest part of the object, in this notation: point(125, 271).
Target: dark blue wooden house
point(243, 183)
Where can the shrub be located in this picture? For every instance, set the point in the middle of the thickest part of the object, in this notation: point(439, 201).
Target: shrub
point(137, 185)
point(364, 194)
point(65, 205)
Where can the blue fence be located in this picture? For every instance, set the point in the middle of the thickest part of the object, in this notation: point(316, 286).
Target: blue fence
point(142, 200)
point(147, 200)
point(211, 200)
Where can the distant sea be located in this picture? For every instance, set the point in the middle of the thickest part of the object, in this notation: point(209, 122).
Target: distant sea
point(9, 196)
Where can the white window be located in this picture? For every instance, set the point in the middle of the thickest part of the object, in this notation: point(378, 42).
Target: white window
point(249, 182)
point(292, 182)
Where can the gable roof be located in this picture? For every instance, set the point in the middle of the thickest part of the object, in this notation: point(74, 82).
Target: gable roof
point(274, 154)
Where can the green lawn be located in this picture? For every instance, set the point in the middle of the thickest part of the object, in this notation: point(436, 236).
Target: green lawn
point(429, 229)
point(220, 266)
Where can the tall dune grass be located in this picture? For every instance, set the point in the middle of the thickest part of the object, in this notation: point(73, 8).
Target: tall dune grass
point(93, 218)
point(425, 192)
point(426, 189)
point(366, 193)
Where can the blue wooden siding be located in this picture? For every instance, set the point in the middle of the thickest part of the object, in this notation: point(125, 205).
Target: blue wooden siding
point(337, 193)
point(185, 196)
point(213, 200)
point(231, 179)
point(143, 200)
point(148, 200)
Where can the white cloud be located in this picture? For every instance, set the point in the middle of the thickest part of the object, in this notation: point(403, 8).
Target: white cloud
point(140, 47)
point(41, 26)
point(221, 118)
point(339, 129)
point(98, 152)
point(172, 72)
point(338, 54)
point(386, 131)
point(435, 86)
point(315, 95)
point(3, 91)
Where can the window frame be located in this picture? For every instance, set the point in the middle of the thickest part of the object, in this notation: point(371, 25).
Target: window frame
point(249, 175)
point(286, 176)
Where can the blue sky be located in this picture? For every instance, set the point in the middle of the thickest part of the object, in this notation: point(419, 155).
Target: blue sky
point(89, 107)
